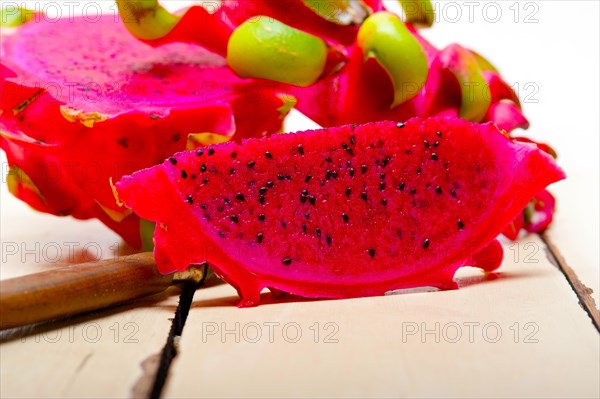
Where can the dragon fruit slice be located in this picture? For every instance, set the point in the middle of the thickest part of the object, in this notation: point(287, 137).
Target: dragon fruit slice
point(74, 116)
point(341, 212)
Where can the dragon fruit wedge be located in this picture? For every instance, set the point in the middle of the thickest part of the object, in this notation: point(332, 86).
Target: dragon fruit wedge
point(83, 103)
point(343, 212)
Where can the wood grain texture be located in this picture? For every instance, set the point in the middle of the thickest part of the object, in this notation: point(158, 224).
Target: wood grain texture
point(79, 288)
point(518, 332)
point(575, 230)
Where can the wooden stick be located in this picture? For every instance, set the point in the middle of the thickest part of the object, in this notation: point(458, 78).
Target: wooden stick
point(84, 287)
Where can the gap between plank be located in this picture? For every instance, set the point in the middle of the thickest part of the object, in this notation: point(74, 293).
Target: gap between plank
point(169, 351)
point(581, 290)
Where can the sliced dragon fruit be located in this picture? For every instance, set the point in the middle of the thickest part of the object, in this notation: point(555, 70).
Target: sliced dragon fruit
point(341, 212)
point(83, 103)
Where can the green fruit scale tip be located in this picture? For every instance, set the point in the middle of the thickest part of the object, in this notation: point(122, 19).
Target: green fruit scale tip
point(384, 36)
point(266, 48)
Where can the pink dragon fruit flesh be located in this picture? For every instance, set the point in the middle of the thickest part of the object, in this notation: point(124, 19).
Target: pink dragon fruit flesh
point(342, 212)
point(83, 103)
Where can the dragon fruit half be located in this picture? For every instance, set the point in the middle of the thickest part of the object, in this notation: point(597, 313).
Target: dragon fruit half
point(348, 62)
point(83, 103)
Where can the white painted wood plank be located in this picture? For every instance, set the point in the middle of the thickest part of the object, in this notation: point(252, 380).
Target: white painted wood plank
point(529, 338)
point(96, 356)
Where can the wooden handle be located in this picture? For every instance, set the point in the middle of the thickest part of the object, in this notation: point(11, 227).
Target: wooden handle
point(78, 288)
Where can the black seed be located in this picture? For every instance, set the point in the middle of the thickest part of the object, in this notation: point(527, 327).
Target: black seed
point(348, 163)
point(234, 155)
point(259, 238)
point(400, 125)
point(239, 197)
point(386, 160)
point(349, 151)
point(371, 252)
point(328, 175)
point(434, 156)
point(351, 172)
point(203, 168)
point(363, 195)
point(287, 177)
point(419, 171)
point(328, 240)
point(413, 190)
point(280, 177)
point(438, 190)
point(173, 161)
point(283, 224)
point(382, 176)
point(344, 146)
point(352, 140)
point(232, 171)
point(439, 134)
point(233, 218)
point(328, 159)
point(261, 217)
point(183, 174)
point(382, 185)
point(303, 199)
point(312, 199)
point(300, 149)
point(262, 190)
point(226, 200)
point(426, 143)
point(460, 224)
point(426, 243)
point(384, 202)
point(318, 232)
point(268, 155)
point(307, 215)
point(205, 180)
point(453, 193)
point(261, 199)
point(363, 169)
point(251, 183)
point(213, 169)
point(345, 217)
point(348, 191)
point(199, 153)
point(251, 164)
point(437, 143)
point(304, 228)
point(287, 261)
point(401, 186)
point(270, 184)
point(190, 199)
point(211, 151)
point(304, 192)
point(203, 206)
point(221, 234)
point(334, 174)
point(307, 179)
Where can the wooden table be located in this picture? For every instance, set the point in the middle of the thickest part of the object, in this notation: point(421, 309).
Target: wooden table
point(523, 331)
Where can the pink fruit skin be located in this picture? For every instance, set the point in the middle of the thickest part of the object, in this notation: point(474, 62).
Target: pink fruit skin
point(147, 100)
point(467, 188)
